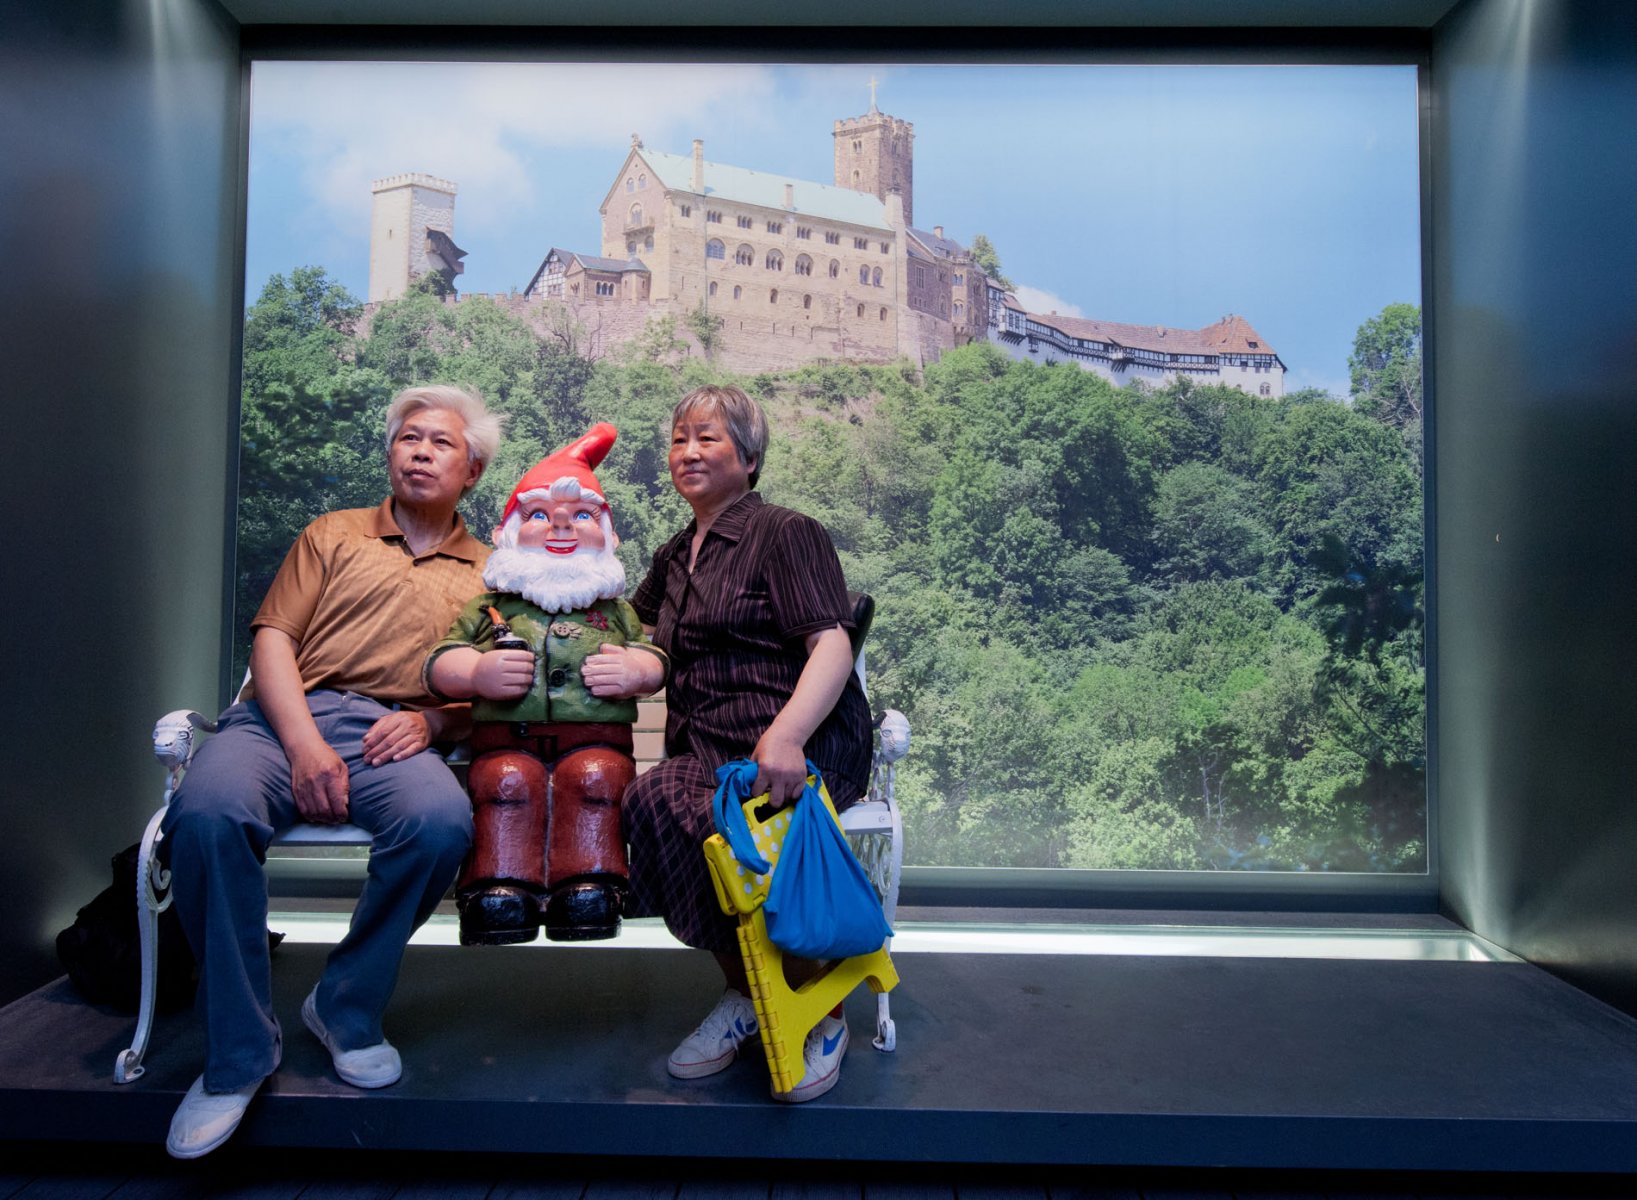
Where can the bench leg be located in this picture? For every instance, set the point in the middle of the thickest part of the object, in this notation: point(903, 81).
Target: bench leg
point(152, 898)
point(886, 1033)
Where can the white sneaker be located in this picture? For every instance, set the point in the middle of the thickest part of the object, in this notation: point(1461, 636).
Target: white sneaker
point(826, 1043)
point(204, 1120)
point(370, 1067)
point(715, 1044)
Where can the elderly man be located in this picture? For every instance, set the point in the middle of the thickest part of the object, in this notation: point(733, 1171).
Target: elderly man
point(335, 727)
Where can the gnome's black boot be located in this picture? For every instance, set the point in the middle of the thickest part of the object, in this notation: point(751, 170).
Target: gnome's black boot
point(585, 910)
point(498, 915)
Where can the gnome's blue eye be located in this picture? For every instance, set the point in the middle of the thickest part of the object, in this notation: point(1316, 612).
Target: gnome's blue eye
point(582, 516)
point(538, 516)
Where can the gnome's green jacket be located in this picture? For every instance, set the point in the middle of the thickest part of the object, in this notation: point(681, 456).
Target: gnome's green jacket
point(561, 642)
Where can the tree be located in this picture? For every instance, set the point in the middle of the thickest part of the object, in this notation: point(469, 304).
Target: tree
point(1385, 369)
point(987, 258)
point(1207, 525)
point(705, 327)
point(307, 443)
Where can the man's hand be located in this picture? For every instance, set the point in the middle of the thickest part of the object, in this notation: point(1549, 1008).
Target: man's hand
point(395, 737)
point(504, 674)
point(781, 768)
point(318, 778)
point(617, 672)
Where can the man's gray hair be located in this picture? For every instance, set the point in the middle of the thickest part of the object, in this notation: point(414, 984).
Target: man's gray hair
point(744, 418)
point(482, 427)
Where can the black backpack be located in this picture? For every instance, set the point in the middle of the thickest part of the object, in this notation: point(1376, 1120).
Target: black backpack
point(102, 949)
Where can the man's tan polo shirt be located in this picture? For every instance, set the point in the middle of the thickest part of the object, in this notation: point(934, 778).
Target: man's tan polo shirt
point(363, 610)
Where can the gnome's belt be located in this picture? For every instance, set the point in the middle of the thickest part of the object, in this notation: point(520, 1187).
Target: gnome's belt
point(549, 740)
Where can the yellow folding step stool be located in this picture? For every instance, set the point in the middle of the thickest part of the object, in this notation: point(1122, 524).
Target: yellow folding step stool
point(786, 1014)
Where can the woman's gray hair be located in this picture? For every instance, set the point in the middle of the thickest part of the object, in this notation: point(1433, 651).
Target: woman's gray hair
point(481, 427)
point(744, 418)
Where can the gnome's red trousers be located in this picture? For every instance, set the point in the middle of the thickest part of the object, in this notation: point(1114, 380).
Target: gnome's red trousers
point(546, 804)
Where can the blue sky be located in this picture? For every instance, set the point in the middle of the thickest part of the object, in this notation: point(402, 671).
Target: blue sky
point(1166, 195)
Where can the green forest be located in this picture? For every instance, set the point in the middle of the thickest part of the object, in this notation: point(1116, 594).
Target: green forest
point(1163, 628)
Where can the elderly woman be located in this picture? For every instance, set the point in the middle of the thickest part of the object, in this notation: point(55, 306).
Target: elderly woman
point(749, 603)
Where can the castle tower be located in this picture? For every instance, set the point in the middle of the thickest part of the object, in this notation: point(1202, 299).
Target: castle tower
point(406, 213)
point(876, 153)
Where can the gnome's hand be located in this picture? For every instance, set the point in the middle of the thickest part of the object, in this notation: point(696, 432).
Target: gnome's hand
point(504, 674)
point(618, 673)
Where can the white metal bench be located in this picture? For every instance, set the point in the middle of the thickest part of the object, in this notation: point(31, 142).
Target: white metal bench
point(873, 825)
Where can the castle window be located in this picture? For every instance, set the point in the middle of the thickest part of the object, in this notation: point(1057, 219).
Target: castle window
point(832, 239)
point(835, 269)
point(1252, 345)
point(712, 289)
point(883, 314)
point(861, 310)
point(648, 242)
point(774, 261)
point(715, 249)
point(876, 280)
point(713, 217)
point(604, 288)
point(804, 265)
point(636, 214)
point(738, 291)
point(630, 246)
point(958, 308)
point(803, 232)
point(687, 210)
point(1267, 389)
point(773, 296)
point(630, 185)
point(861, 243)
point(745, 222)
point(642, 182)
point(959, 279)
point(858, 147)
point(775, 226)
point(885, 247)
point(856, 178)
point(920, 275)
point(745, 256)
point(807, 302)
point(864, 275)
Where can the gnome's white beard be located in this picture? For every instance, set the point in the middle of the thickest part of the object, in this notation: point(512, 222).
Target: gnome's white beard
point(558, 583)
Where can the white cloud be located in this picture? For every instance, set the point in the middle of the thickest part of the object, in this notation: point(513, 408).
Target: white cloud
point(475, 124)
point(1037, 301)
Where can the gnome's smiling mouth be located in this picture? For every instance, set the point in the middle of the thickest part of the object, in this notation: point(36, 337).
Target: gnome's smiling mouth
point(560, 547)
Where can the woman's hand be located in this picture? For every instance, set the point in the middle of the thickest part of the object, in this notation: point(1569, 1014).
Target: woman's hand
point(395, 737)
point(781, 768)
point(621, 673)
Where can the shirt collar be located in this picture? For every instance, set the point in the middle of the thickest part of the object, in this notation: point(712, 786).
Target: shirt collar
point(459, 544)
point(731, 522)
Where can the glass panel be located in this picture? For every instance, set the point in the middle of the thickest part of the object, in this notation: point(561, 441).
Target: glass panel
point(1147, 552)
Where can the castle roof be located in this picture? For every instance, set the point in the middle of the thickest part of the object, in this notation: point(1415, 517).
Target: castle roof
point(589, 262)
point(745, 186)
point(941, 246)
point(1231, 335)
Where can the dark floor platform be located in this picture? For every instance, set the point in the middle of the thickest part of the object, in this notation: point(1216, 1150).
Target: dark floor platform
point(1070, 1059)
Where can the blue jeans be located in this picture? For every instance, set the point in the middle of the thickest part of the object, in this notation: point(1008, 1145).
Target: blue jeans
point(235, 796)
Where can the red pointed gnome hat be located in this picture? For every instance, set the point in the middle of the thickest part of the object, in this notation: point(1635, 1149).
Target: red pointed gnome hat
point(576, 459)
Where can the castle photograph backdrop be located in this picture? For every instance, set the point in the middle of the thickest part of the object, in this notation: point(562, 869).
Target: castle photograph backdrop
point(1106, 381)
